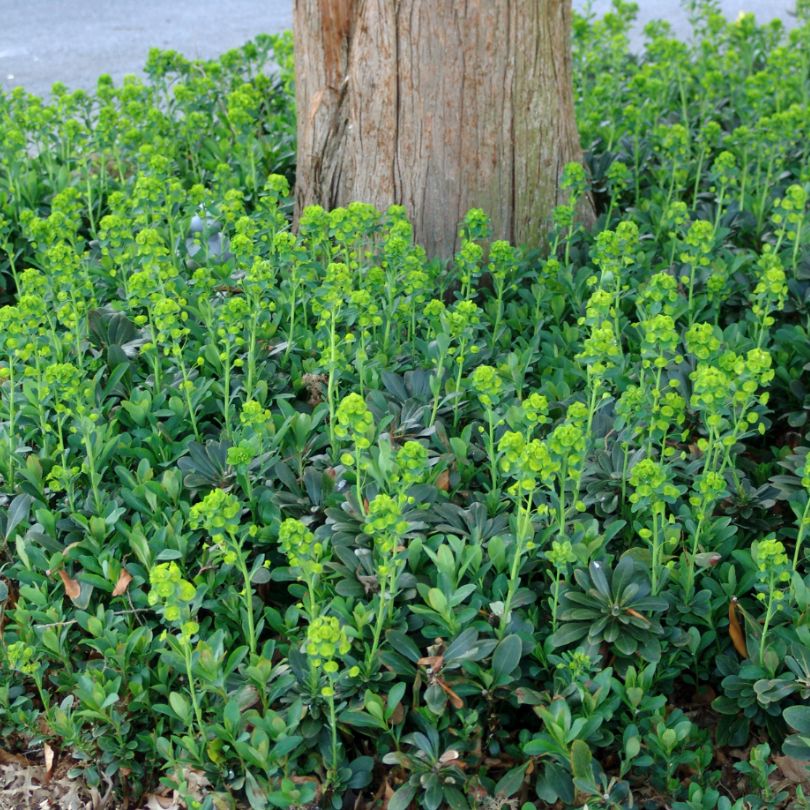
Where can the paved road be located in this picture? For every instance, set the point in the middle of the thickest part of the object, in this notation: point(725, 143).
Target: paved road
point(43, 41)
point(672, 10)
point(72, 41)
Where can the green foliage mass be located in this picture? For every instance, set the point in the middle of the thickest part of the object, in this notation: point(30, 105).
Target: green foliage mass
point(308, 519)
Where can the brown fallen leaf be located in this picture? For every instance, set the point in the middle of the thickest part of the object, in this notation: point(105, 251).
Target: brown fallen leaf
point(72, 587)
point(156, 802)
point(637, 615)
point(7, 758)
point(795, 770)
point(48, 756)
point(398, 715)
point(431, 662)
point(455, 700)
point(443, 481)
point(384, 793)
point(735, 630)
point(124, 578)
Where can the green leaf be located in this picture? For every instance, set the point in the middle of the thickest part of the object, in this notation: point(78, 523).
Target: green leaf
point(256, 795)
point(581, 760)
point(632, 743)
point(360, 719)
point(463, 646)
point(437, 600)
point(361, 769)
point(599, 579)
point(555, 783)
point(403, 645)
point(180, 706)
point(511, 782)
point(17, 513)
point(798, 718)
point(568, 634)
point(394, 697)
point(506, 658)
point(402, 799)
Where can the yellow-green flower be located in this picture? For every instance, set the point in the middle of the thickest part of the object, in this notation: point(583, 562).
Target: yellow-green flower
point(326, 640)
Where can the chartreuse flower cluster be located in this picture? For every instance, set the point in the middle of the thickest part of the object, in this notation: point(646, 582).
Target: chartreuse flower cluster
point(330, 298)
point(487, 384)
point(213, 425)
point(173, 596)
point(553, 465)
point(219, 514)
point(454, 340)
point(305, 555)
point(652, 491)
point(326, 645)
point(386, 526)
point(355, 423)
point(773, 576)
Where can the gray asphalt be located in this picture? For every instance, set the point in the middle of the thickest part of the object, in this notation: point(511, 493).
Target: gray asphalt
point(73, 41)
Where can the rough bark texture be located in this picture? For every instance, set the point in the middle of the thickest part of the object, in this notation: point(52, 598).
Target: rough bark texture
point(439, 105)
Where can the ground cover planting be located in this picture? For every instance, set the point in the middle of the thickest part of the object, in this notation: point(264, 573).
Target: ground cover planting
point(310, 519)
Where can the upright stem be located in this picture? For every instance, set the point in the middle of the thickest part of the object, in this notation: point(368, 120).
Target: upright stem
point(493, 467)
point(556, 601)
point(226, 405)
point(438, 378)
point(248, 597)
point(655, 553)
point(11, 427)
point(796, 245)
point(561, 512)
point(378, 626)
point(330, 384)
point(767, 622)
point(251, 359)
point(691, 292)
point(358, 481)
point(192, 689)
point(333, 729)
point(801, 533)
point(91, 465)
point(187, 390)
point(457, 400)
point(523, 523)
point(291, 335)
point(498, 313)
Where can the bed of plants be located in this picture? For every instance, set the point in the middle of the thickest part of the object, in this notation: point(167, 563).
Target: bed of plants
point(312, 520)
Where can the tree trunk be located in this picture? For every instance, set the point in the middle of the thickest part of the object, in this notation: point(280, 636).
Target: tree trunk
point(438, 105)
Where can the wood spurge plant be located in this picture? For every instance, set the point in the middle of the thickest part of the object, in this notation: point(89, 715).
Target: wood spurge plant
point(303, 517)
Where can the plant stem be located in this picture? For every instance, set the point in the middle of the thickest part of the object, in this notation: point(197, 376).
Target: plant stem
point(561, 512)
point(11, 426)
point(767, 622)
point(330, 384)
point(800, 535)
point(493, 467)
point(333, 729)
point(226, 405)
point(438, 379)
point(523, 519)
point(655, 554)
point(556, 601)
point(192, 689)
point(91, 465)
point(378, 625)
point(457, 399)
point(248, 599)
point(358, 481)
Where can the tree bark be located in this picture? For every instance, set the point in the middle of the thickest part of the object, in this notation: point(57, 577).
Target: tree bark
point(438, 105)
